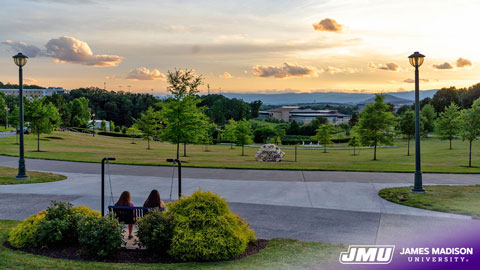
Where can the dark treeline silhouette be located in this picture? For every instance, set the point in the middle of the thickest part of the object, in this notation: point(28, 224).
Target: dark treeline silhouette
point(15, 86)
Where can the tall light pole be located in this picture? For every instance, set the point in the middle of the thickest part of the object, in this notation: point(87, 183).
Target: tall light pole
point(93, 124)
point(6, 117)
point(416, 60)
point(20, 60)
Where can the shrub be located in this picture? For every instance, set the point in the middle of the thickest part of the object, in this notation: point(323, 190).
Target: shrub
point(206, 229)
point(155, 231)
point(58, 228)
point(116, 129)
point(100, 236)
point(25, 234)
point(84, 211)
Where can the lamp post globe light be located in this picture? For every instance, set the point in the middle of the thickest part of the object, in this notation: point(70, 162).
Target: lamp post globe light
point(416, 60)
point(20, 60)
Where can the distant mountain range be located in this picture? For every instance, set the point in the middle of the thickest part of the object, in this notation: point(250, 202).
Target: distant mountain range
point(329, 97)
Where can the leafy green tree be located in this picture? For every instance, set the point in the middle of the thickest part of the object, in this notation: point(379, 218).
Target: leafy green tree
point(262, 133)
point(353, 120)
point(79, 110)
point(354, 142)
point(448, 123)
point(229, 132)
point(3, 109)
point(444, 97)
point(206, 134)
point(293, 128)
point(280, 132)
point(375, 124)
point(407, 126)
point(13, 120)
point(103, 125)
point(112, 126)
point(243, 132)
point(43, 118)
point(133, 131)
point(324, 135)
point(149, 124)
point(428, 116)
point(181, 114)
point(470, 128)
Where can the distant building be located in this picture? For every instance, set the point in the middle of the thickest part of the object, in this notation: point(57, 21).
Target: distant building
point(98, 124)
point(303, 116)
point(35, 92)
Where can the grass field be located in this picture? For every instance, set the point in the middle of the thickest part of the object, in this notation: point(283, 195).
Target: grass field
point(436, 157)
point(7, 175)
point(279, 254)
point(463, 200)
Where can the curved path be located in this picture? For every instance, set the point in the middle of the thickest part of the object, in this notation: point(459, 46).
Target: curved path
point(338, 207)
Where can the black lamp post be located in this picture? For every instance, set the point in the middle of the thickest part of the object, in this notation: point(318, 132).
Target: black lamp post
point(416, 60)
point(20, 60)
point(6, 117)
point(93, 124)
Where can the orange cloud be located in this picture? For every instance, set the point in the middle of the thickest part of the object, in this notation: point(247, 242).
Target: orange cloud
point(388, 66)
point(144, 74)
point(328, 25)
point(284, 71)
point(71, 50)
point(225, 75)
point(445, 65)
point(462, 62)
point(409, 80)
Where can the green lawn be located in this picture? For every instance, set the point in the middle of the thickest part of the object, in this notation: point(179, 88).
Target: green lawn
point(2, 128)
point(7, 175)
point(463, 200)
point(436, 157)
point(279, 254)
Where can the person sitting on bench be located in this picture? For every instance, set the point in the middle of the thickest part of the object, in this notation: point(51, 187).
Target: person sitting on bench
point(154, 201)
point(126, 216)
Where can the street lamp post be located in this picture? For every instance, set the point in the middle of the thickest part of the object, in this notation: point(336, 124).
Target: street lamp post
point(93, 124)
point(6, 117)
point(20, 60)
point(416, 60)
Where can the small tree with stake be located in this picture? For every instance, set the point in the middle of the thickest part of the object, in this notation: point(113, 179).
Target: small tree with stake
point(407, 127)
point(448, 123)
point(43, 118)
point(149, 124)
point(243, 133)
point(354, 142)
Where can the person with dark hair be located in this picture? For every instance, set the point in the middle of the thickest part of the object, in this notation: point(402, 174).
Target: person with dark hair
point(126, 216)
point(154, 201)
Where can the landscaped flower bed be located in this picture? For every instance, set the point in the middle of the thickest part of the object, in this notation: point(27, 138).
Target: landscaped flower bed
point(200, 227)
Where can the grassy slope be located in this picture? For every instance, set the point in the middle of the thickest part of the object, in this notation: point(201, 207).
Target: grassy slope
point(82, 147)
point(7, 175)
point(279, 254)
point(452, 199)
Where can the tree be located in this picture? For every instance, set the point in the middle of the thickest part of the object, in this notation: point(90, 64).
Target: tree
point(3, 112)
point(353, 120)
point(112, 126)
point(470, 128)
point(181, 114)
point(242, 132)
point(444, 97)
point(262, 133)
point(293, 128)
point(43, 118)
point(229, 132)
point(407, 127)
point(428, 116)
point(448, 123)
point(103, 125)
point(280, 132)
point(375, 124)
point(79, 111)
point(13, 120)
point(132, 131)
point(149, 124)
point(324, 135)
point(206, 134)
point(354, 142)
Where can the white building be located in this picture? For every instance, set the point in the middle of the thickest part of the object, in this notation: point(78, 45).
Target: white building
point(98, 124)
point(35, 92)
point(303, 116)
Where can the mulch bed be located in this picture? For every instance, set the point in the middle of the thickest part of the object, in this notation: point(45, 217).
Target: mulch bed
point(126, 255)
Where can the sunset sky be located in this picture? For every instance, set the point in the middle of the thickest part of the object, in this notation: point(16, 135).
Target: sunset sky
point(242, 46)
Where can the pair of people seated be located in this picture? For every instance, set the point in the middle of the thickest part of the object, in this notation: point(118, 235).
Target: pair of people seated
point(153, 201)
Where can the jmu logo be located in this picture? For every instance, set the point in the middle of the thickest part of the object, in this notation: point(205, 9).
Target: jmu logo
point(367, 254)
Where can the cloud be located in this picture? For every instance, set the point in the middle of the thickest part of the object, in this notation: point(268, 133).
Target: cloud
point(144, 74)
point(328, 25)
point(388, 66)
point(29, 81)
point(445, 65)
point(26, 49)
point(225, 75)
point(284, 71)
point(177, 29)
point(335, 70)
point(462, 62)
point(71, 50)
point(409, 80)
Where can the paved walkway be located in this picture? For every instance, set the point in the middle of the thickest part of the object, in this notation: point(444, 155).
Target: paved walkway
point(338, 207)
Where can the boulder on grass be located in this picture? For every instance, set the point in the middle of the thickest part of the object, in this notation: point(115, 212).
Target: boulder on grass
point(269, 153)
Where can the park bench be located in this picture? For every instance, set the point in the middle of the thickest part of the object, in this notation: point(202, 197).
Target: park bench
point(129, 214)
